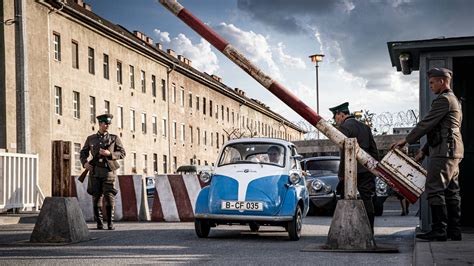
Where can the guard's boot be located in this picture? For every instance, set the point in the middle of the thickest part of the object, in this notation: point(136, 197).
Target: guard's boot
point(98, 217)
point(110, 217)
point(371, 221)
point(438, 227)
point(454, 222)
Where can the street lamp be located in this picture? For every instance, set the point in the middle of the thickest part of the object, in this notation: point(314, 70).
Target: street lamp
point(316, 58)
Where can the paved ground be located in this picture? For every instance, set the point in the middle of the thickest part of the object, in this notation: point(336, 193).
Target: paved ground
point(153, 243)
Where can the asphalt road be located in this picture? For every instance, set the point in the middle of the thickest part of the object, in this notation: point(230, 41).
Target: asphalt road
point(157, 243)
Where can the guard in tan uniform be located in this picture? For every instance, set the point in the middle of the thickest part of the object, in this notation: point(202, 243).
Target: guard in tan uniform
point(105, 149)
point(352, 128)
point(445, 149)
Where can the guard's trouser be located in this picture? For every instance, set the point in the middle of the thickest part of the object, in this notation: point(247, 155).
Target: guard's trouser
point(442, 189)
point(103, 182)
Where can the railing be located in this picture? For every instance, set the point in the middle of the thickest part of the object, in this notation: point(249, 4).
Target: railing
point(19, 181)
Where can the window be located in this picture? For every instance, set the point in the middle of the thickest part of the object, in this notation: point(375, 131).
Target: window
point(121, 170)
point(190, 100)
point(132, 120)
point(92, 108)
point(205, 137)
point(106, 66)
point(155, 163)
point(233, 120)
point(204, 105)
point(119, 116)
point(106, 107)
point(198, 136)
point(145, 163)
point(91, 60)
point(173, 93)
point(165, 164)
point(76, 104)
point(144, 123)
point(58, 100)
point(227, 114)
point(183, 133)
point(217, 140)
point(191, 134)
point(163, 90)
point(210, 108)
point(174, 130)
point(57, 46)
point(153, 85)
point(217, 111)
point(154, 125)
point(182, 97)
point(119, 72)
point(143, 81)
point(197, 103)
point(163, 133)
point(134, 162)
point(212, 139)
point(75, 54)
point(77, 157)
point(132, 77)
point(175, 163)
point(222, 112)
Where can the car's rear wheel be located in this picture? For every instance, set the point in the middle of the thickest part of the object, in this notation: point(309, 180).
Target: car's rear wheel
point(254, 227)
point(202, 228)
point(294, 227)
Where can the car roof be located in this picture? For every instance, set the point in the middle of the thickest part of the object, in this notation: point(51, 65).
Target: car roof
point(322, 158)
point(265, 140)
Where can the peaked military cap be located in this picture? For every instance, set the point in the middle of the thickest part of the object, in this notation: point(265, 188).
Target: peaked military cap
point(439, 72)
point(106, 118)
point(344, 107)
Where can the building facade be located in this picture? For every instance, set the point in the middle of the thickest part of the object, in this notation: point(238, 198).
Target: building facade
point(76, 65)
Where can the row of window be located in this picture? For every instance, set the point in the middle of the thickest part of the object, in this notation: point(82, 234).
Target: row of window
point(134, 169)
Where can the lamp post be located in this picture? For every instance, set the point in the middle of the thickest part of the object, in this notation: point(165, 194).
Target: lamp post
point(316, 58)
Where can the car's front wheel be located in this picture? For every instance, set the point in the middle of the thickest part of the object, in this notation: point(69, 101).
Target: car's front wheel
point(202, 228)
point(294, 226)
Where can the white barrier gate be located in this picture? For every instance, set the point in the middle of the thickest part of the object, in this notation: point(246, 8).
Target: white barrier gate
point(19, 181)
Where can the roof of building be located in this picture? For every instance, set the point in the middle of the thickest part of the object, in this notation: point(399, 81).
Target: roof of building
point(416, 47)
point(146, 44)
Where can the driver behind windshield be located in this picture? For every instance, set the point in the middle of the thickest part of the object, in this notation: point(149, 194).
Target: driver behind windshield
point(274, 154)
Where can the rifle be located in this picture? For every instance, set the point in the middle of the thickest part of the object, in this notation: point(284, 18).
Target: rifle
point(94, 160)
point(83, 176)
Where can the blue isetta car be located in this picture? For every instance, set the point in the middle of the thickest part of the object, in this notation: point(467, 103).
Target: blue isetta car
point(257, 182)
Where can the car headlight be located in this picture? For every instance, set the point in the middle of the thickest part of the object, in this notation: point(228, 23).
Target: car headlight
point(381, 187)
point(317, 184)
point(294, 178)
point(150, 181)
point(205, 177)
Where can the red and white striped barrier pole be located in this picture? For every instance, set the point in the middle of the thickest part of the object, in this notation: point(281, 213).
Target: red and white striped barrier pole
point(282, 93)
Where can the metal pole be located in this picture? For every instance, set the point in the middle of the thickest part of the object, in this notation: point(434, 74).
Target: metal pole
point(317, 94)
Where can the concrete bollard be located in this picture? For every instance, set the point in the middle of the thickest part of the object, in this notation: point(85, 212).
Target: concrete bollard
point(60, 221)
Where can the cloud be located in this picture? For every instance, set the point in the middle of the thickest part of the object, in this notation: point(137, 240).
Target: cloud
point(253, 45)
point(361, 29)
point(201, 55)
point(287, 60)
point(162, 35)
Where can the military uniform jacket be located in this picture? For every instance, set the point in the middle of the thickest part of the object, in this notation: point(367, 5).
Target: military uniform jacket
point(442, 125)
point(353, 128)
point(93, 144)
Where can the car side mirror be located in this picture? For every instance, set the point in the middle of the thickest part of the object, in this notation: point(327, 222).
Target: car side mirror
point(297, 157)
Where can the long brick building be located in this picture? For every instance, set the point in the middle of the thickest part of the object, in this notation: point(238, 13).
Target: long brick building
point(64, 65)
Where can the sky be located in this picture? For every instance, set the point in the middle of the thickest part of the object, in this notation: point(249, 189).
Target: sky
point(279, 35)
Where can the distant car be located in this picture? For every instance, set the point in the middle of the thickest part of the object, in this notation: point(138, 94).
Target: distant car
point(322, 181)
point(195, 169)
point(150, 186)
point(257, 182)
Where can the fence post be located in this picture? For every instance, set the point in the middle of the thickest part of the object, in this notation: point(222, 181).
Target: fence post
point(61, 165)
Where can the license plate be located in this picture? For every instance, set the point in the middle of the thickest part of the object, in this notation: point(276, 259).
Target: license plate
point(242, 205)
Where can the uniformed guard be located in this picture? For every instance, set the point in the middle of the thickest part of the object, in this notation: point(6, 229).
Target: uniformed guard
point(105, 149)
point(352, 128)
point(445, 149)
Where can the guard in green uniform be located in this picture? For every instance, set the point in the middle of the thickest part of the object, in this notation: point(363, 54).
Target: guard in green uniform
point(352, 128)
point(105, 149)
point(442, 126)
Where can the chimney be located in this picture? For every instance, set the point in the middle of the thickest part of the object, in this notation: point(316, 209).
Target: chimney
point(216, 78)
point(138, 34)
point(171, 52)
point(80, 3)
point(159, 46)
point(190, 62)
point(88, 7)
point(181, 58)
point(149, 40)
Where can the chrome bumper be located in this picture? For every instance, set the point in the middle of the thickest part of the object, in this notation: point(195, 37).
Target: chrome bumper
point(250, 218)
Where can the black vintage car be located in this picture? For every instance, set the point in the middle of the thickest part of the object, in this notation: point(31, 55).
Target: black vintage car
point(322, 180)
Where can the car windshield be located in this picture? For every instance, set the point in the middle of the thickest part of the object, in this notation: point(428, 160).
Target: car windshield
point(251, 152)
point(322, 167)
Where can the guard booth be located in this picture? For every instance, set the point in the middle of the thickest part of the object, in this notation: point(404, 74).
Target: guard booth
point(456, 54)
